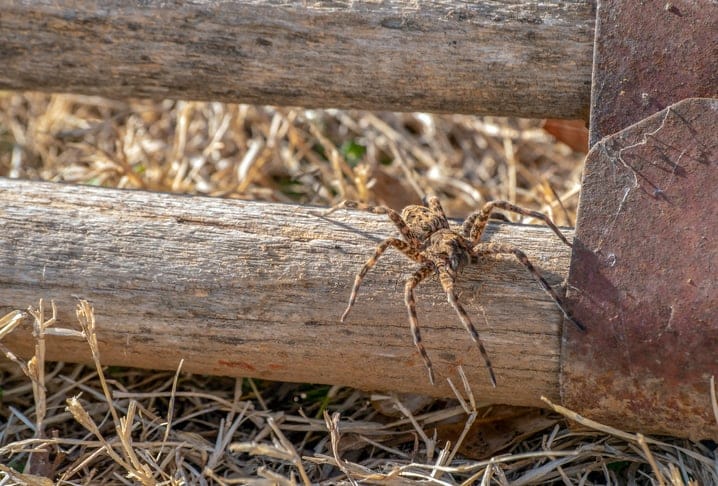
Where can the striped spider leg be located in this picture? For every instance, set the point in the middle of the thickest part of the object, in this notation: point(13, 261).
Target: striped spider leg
point(474, 226)
point(429, 240)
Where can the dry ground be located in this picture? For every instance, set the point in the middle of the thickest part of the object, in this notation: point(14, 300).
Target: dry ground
point(80, 424)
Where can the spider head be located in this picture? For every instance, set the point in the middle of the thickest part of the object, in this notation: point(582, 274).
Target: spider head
point(450, 251)
point(456, 263)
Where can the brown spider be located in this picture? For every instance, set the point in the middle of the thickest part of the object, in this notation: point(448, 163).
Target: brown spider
point(430, 241)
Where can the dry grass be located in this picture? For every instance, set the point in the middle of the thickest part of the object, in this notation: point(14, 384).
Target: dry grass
point(98, 425)
point(284, 154)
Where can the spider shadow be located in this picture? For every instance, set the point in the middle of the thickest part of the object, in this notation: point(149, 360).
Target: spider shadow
point(351, 228)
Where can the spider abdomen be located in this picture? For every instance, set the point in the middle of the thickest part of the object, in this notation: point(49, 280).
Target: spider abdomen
point(423, 222)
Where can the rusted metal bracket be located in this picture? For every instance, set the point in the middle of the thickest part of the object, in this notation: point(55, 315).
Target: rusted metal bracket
point(644, 270)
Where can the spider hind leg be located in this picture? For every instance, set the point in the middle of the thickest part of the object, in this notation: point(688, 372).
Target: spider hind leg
point(395, 217)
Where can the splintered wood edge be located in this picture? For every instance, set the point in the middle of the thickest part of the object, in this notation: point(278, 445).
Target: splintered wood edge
point(256, 289)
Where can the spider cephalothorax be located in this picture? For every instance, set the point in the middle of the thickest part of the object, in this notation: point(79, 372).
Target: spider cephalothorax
point(429, 240)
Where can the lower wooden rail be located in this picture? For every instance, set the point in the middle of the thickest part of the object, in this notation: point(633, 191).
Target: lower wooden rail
point(256, 289)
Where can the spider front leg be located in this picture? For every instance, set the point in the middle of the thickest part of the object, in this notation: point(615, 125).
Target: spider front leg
point(475, 224)
point(400, 245)
point(411, 284)
point(393, 215)
point(447, 282)
point(484, 249)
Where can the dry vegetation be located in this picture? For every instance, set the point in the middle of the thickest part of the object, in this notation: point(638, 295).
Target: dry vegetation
point(72, 424)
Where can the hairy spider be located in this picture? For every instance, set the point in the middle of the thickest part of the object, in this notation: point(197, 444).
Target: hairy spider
point(429, 240)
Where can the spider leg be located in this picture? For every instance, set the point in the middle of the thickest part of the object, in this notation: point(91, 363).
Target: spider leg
point(447, 282)
point(475, 224)
point(436, 208)
point(393, 215)
point(411, 284)
point(400, 245)
point(483, 249)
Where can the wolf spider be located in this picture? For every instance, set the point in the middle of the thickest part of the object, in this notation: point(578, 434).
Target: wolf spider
point(429, 240)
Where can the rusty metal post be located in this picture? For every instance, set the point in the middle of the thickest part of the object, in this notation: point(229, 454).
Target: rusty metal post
point(648, 55)
point(644, 277)
point(644, 270)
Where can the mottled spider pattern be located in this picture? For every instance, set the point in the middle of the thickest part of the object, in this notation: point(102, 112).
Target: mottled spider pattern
point(429, 240)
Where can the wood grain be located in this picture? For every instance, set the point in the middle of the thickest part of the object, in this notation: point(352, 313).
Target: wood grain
point(523, 58)
point(256, 289)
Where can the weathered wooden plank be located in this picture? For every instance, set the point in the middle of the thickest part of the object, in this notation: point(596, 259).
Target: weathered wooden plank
point(257, 289)
point(524, 58)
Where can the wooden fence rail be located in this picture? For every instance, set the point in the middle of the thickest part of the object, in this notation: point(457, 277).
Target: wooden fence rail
point(256, 289)
point(527, 58)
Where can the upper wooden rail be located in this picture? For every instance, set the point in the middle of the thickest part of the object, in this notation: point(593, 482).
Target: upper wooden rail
point(256, 289)
point(523, 58)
